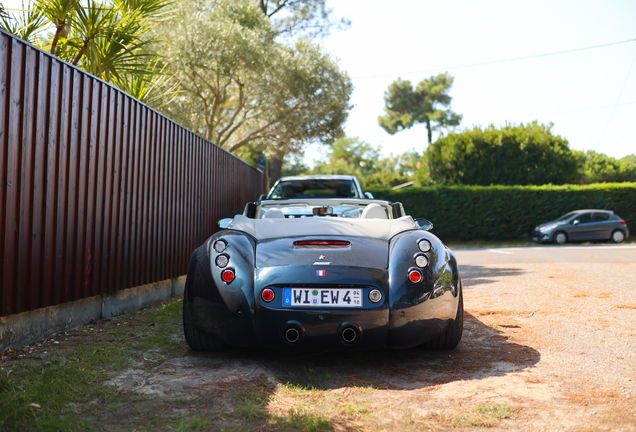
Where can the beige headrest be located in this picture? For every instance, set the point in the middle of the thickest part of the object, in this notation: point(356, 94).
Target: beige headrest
point(373, 211)
point(273, 213)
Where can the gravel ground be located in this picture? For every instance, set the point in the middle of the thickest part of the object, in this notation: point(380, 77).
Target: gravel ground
point(548, 341)
point(580, 318)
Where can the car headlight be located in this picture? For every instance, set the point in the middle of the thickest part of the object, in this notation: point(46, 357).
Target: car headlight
point(544, 229)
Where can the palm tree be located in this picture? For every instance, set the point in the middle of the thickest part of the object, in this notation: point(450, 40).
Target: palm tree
point(110, 39)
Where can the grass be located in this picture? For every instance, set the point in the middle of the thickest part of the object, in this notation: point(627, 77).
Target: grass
point(482, 416)
point(194, 425)
point(63, 387)
point(298, 418)
point(251, 403)
point(252, 407)
point(308, 378)
point(354, 408)
point(44, 391)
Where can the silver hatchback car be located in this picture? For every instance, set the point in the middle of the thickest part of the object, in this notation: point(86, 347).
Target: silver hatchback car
point(580, 225)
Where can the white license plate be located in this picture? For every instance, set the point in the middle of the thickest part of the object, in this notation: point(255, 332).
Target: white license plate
point(322, 297)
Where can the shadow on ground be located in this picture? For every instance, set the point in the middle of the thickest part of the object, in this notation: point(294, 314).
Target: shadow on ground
point(242, 382)
point(481, 275)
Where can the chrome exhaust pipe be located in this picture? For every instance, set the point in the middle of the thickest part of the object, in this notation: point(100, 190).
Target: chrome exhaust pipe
point(292, 335)
point(292, 332)
point(349, 334)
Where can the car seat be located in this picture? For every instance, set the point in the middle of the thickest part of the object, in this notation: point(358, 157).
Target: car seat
point(373, 211)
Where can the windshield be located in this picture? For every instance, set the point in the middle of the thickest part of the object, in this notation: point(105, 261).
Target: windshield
point(565, 216)
point(314, 188)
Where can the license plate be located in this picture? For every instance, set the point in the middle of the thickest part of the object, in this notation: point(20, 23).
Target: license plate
point(322, 297)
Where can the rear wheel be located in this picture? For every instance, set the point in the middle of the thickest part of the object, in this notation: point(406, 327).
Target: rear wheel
point(450, 339)
point(560, 237)
point(618, 236)
point(197, 339)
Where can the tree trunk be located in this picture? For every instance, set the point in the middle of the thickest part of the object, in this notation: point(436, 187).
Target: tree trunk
point(277, 163)
point(80, 54)
point(430, 132)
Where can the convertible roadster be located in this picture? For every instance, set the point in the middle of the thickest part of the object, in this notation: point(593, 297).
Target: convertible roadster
point(323, 273)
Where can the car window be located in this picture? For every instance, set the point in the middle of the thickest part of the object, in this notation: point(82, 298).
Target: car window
point(584, 218)
point(313, 188)
point(565, 216)
point(600, 217)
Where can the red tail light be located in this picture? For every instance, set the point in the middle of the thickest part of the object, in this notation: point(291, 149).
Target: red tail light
point(322, 243)
point(415, 276)
point(227, 275)
point(624, 223)
point(267, 295)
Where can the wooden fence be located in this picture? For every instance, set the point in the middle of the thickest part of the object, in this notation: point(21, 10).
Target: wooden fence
point(98, 192)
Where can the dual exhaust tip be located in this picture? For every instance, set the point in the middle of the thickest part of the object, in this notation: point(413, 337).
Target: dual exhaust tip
point(348, 333)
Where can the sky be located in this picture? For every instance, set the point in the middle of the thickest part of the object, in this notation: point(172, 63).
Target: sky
point(589, 95)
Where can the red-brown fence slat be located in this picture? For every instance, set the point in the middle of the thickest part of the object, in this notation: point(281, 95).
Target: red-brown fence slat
point(12, 176)
point(98, 192)
point(25, 185)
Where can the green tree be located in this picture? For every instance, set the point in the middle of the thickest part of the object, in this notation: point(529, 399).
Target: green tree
point(512, 155)
point(310, 18)
point(429, 104)
point(109, 39)
point(313, 106)
point(629, 158)
point(239, 86)
point(26, 24)
point(599, 168)
point(355, 157)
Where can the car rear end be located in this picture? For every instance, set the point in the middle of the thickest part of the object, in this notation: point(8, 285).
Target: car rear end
point(322, 294)
point(361, 293)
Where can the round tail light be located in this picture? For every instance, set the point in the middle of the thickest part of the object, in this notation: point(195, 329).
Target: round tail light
point(227, 275)
point(219, 246)
point(421, 260)
point(424, 245)
point(415, 276)
point(267, 295)
point(222, 261)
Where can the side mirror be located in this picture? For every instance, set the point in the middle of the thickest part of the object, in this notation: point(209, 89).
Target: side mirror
point(262, 197)
point(575, 222)
point(369, 195)
point(224, 223)
point(425, 224)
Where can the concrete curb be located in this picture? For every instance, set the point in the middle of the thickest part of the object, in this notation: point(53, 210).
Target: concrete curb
point(19, 330)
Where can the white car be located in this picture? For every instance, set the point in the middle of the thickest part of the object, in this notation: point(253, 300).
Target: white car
point(317, 186)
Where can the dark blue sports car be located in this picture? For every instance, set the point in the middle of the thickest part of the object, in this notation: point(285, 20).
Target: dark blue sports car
point(294, 273)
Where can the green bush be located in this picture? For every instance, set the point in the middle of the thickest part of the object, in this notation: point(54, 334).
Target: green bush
point(507, 212)
point(527, 154)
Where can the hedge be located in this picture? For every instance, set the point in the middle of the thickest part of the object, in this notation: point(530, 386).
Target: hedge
point(507, 212)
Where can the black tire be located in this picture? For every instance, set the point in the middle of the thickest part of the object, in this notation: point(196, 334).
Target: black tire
point(197, 339)
point(451, 338)
point(617, 236)
point(559, 237)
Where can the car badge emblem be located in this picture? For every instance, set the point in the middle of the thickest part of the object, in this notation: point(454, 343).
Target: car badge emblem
point(321, 257)
point(321, 273)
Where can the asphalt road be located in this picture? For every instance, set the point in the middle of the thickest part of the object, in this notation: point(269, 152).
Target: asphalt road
point(548, 254)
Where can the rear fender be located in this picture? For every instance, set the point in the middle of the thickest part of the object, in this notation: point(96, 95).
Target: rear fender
point(217, 307)
point(420, 311)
